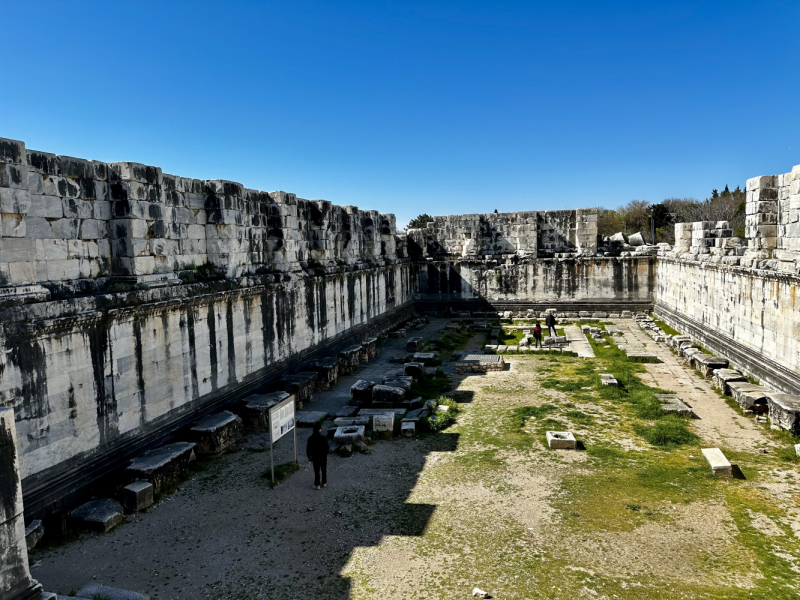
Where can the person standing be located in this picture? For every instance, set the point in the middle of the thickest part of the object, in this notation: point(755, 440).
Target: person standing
point(317, 449)
point(550, 321)
point(537, 335)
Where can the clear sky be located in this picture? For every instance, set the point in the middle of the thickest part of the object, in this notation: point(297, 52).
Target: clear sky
point(411, 107)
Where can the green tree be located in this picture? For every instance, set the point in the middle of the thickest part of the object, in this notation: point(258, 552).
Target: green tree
point(420, 221)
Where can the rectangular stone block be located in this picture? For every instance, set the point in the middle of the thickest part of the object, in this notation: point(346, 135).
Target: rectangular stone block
point(717, 461)
point(561, 440)
point(162, 465)
point(216, 433)
point(137, 496)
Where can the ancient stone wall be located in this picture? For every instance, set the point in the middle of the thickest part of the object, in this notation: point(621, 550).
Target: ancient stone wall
point(523, 234)
point(73, 222)
point(561, 281)
point(84, 376)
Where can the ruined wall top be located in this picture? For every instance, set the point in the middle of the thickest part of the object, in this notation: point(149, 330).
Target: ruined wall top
point(772, 229)
point(524, 234)
point(66, 219)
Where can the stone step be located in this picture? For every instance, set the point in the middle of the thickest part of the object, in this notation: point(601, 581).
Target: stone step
point(216, 433)
point(717, 461)
point(162, 465)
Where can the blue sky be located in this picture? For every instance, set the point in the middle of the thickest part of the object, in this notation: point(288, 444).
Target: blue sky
point(437, 107)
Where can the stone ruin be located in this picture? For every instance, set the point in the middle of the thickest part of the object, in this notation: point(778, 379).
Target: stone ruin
point(136, 302)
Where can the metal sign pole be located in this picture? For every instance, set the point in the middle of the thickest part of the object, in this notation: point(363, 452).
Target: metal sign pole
point(271, 459)
point(294, 430)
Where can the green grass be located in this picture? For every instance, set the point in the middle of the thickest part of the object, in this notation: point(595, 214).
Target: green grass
point(282, 472)
point(431, 386)
point(439, 421)
point(668, 432)
point(667, 329)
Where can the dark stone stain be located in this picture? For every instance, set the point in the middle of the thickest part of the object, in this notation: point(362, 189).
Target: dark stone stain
point(351, 298)
point(192, 352)
point(137, 336)
point(231, 346)
point(267, 316)
point(212, 347)
point(248, 345)
point(311, 304)
point(9, 479)
point(107, 419)
point(29, 358)
point(322, 304)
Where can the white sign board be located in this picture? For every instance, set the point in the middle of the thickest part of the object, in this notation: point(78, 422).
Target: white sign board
point(281, 418)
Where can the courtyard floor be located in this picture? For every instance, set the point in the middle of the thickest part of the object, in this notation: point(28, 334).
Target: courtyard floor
point(482, 504)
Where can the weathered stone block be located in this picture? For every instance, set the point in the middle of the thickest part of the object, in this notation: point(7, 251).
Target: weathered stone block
point(608, 379)
point(216, 433)
point(96, 590)
point(350, 434)
point(717, 461)
point(426, 358)
point(749, 395)
point(254, 409)
point(408, 429)
point(351, 359)
point(33, 534)
point(327, 370)
point(361, 392)
point(784, 411)
point(561, 440)
point(724, 377)
point(162, 465)
point(369, 349)
point(414, 344)
point(708, 364)
point(414, 369)
point(301, 385)
point(138, 496)
point(385, 393)
point(98, 515)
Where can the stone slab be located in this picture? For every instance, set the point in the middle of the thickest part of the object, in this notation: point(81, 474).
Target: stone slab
point(408, 429)
point(383, 423)
point(642, 357)
point(387, 393)
point(98, 515)
point(717, 461)
point(347, 421)
point(98, 590)
point(161, 465)
point(561, 440)
point(399, 412)
point(33, 533)
point(608, 379)
point(346, 411)
point(307, 418)
point(414, 344)
point(361, 391)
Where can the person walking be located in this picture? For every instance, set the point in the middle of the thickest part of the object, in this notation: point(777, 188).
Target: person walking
point(317, 449)
point(550, 321)
point(537, 335)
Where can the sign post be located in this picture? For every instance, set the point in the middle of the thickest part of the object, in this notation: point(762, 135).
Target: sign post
point(281, 421)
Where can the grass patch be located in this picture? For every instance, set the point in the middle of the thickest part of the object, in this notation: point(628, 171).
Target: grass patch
point(519, 416)
point(282, 471)
point(439, 421)
point(432, 386)
point(668, 432)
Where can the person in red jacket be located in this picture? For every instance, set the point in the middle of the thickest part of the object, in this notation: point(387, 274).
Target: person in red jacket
point(537, 334)
point(317, 449)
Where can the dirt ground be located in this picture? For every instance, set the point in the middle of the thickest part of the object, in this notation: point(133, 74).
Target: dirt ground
point(483, 503)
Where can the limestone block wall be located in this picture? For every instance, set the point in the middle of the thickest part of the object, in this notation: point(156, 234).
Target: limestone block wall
point(68, 220)
point(595, 280)
point(749, 315)
point(86, 375)
point(524, 234)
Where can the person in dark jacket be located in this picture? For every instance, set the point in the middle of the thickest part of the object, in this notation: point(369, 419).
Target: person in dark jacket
point(550, 321)
point(537, 335)
point(317, 452)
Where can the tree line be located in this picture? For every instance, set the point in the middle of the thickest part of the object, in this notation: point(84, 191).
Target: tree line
point(641, 215)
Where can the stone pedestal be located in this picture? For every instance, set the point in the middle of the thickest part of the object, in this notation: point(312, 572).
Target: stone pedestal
point(15, 577)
